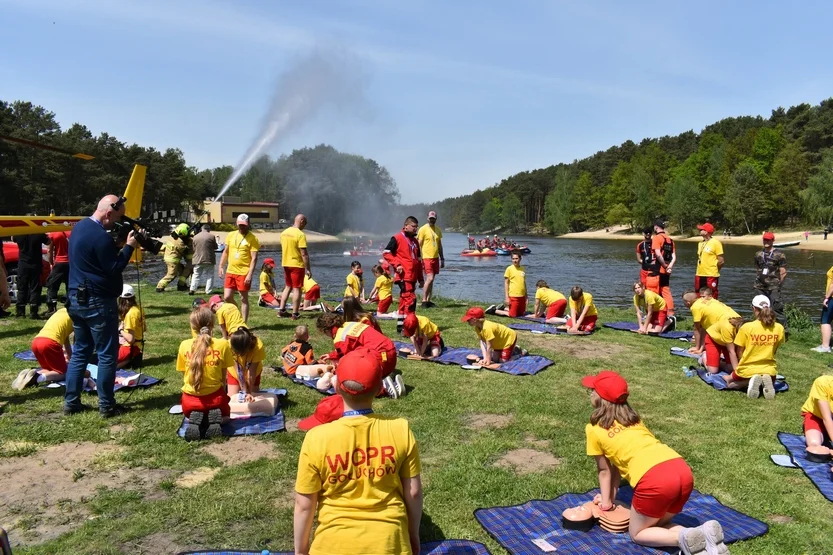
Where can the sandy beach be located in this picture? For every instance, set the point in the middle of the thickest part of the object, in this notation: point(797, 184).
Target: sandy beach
point(273, 238)
point(816, 241)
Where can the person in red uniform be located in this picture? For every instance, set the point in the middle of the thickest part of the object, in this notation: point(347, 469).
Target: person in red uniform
point(666, 256)
point(403, 254)
point(59, 259)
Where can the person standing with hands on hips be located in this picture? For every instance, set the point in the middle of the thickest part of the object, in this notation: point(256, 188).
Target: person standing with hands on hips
point(771, 265)
point(430, 238)
point(95, 283)
point(241, 255)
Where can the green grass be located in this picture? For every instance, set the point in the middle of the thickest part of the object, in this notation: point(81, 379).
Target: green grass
point(726, 438)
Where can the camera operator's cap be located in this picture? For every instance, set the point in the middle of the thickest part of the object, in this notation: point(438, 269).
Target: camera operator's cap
point(432, 214)
point(329, 409)
point(127, 292)
point(761, 301)
point(472, 313)
point(269, 262)
point(707, 227)
point(409, 326)
point(361, 366)
point(769, 236)
point(609, 385)
point(215, 299)
point(243, 219)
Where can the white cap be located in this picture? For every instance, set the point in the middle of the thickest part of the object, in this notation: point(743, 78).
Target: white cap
point(243, 219)
point(761, 301)
point(127, 291)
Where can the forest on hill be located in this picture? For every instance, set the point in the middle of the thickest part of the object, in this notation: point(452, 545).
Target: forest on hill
point(741, 173)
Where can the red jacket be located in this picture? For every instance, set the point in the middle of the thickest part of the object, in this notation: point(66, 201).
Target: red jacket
point(404, 251)
point(353, 335)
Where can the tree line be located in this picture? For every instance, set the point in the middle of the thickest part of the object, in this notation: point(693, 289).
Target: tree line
point(744, 174)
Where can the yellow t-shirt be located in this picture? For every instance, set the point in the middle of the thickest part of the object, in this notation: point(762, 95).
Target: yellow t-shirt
point(292, 241)
point(266, 285)
point(499, 335)
point(218, 359)
point(429, 239)
point(428, 328)
point(759, 345)
point(633, 449)
point(822, 390)
point(356, 466)
point(354, 286)
point(722, 332)
point(58, 328)
point(586, 300)
point(707, 253)
point(548, 296)
point(258, 355)
point(829, 280)
point(384, 286)
point(134, 322)
point(309, 283)
point(517, 280)
point(708, 313)
point(229, 316)
point(240, 251)
point(656, 302)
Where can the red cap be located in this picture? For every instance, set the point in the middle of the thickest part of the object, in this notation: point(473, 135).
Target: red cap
point(361, 366)
point(473, 312)
point(609, 385)
point(329, 409)
point(769, 236)
point(269, 262)
point(409, 326)
point(216, 299)
point(707, 227)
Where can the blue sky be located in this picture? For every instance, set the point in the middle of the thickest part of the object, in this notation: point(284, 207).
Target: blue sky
point(457, 95)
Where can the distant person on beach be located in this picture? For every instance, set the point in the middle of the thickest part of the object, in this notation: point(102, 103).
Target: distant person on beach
point(549, 303)
point(430, 238)
point(806, 236)
point(771, 266)
point(826, 315)
point(205, 260)
point(709, 260)
point(514, 290)
point(666, 254)
point(649, 271)
point(295, 262)
point(583, 313)
point(402, 252)
point(241, 255)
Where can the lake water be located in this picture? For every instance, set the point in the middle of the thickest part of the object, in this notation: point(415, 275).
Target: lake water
point(605, 268)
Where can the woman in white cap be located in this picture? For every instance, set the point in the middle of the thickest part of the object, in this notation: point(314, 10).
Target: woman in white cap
point(756, 343)
point(131, 328)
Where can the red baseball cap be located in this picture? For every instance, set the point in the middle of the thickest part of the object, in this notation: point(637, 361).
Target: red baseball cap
point(216, 299)
point(609, 385)
point(707, 227)
point(361, 366)
point(769, 236)
point(473, 312)
point(269, 262)
point(329, 409)
point(409, 326)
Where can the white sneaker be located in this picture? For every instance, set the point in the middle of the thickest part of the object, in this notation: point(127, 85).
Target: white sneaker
point(390, 388)
point(821, 349)
point(769, 389)
point(24, 379)
point(399, 385)
point(692, 541)
point(714, 538)
point(754, 389)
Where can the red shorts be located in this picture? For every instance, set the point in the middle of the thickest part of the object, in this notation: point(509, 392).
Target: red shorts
point(588, 324)
point(236, 282)
point(665, 488)
point(557, 309)
point(657, 318)
point(431, 265)
point(384, 305)
point(233, 381)
point(313, 294)
point(216, 400)
point(706, 281)
point(126, 352)
point(517, 306)
point(294, 277)
point(713, 352)
point(268, 298)
point(50, 354)
point(813, 422)
point(507, 353)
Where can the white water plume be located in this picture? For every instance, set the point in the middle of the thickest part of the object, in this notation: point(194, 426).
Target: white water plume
point(321, 79)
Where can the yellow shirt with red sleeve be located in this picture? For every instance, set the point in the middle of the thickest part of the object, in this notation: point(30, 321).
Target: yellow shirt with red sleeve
point(586, 300)
point(266, 285)
point(498, 336)
point(426, 327)
point(229, 316)
point(254, 358)
point(633, 450)
point(517, 280)
point(384, 286)
point(354, 286)
point(722, 332)
point(134, 323)
point(548, 296)
point(822, 390)
point(309, 283)
point(759, 345)
point(707, 253)
point(58, 328)
point(707, 313)
point(356, 466)
point(292, 241)
point(649, 298)
point(218, 359)
point(240, 249)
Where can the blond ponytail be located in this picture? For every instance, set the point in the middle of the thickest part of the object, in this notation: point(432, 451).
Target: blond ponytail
point(202, 321)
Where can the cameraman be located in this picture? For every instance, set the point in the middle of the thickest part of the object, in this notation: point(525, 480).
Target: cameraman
point(95, 282)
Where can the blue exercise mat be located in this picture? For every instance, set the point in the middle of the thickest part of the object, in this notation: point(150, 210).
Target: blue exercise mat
point(450, 355)
point(308, 383)
point(683, 352)
point(517, 526)
point(717, 382)
point(633, 326)
point(537, 328)
point(819, 473)
point(144, 381)
point(445, 547)
point(28, 356)
point(523, 366)
point(252, 426)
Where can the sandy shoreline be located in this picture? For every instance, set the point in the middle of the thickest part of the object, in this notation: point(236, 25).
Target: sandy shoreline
point(273, 238)
point(816, 241)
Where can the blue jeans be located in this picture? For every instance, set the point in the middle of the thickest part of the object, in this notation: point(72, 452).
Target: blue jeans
point(96, 327)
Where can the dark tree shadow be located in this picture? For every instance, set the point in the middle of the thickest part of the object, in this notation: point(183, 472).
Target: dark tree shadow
point(428, 530)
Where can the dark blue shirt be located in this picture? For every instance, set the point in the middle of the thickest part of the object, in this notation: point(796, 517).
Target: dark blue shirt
point(95, 260)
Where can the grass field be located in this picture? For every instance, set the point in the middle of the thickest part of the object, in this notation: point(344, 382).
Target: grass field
point(129, 485)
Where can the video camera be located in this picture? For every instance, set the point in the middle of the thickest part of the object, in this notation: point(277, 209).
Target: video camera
point(140, 230)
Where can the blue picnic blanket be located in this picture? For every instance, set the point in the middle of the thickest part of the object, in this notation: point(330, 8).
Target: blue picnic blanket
point(523, 366)
point(683, 352)
point(144, 381)
point(517, 526)
point(537, 328)
point(445, 547)
point(633, 326)
point(717, 382)
point(450, 355)
point(28, 356)
point(252, 426)
point(309, 383)
point(819, 473)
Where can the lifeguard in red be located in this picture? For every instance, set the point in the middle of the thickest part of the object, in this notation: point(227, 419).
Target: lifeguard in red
point(402, 253)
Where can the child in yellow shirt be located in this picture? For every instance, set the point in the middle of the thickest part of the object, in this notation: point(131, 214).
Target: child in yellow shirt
point(424, 334)
point(583, 313)
point(355, 282)
point(383, 292)
point(656, 316)
point(267, 285)
point(498, 343)
point(514, 290)
point(818, 420)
